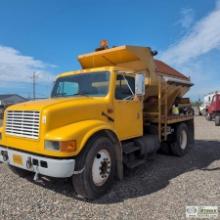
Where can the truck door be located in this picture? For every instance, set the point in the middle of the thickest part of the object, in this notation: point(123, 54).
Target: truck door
point(127, 110)
point(212, 106)
point(218, 102)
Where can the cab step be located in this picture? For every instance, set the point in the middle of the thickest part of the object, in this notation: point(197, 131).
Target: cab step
point(130, 147)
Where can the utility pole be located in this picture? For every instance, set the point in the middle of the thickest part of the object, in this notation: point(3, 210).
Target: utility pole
point(34, 76)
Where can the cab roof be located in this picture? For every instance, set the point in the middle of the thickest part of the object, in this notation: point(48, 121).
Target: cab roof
point(106, 68)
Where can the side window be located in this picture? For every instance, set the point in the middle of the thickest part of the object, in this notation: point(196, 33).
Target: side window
point(214, 99)
point(125, 87)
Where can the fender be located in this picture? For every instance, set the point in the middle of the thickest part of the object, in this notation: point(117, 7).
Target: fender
point(79, 131)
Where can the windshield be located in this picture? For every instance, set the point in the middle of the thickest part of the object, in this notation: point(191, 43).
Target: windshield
point(83, 84)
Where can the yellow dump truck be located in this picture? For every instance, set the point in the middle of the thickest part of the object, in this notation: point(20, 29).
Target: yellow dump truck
point(116, 112)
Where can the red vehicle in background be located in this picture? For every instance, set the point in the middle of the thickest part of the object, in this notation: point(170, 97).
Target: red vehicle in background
point(214, 110)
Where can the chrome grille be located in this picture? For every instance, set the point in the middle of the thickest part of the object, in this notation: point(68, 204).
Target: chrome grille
point(23, 123)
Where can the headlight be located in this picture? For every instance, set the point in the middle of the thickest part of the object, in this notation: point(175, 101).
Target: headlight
point(63, 146)
point(52, 145)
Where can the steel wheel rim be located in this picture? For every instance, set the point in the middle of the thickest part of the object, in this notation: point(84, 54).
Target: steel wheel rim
point(183, 140)
point(101, 167)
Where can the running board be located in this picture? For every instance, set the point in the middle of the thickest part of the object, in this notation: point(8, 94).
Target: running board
point(130, 147)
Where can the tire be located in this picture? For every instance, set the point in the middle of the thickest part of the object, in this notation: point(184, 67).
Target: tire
point(217, 120)
point(208, 117)
point(98, 161)
point(181, 144)
point(20, 172)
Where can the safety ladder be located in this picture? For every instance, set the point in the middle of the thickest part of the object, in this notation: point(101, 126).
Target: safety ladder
point(162, 112)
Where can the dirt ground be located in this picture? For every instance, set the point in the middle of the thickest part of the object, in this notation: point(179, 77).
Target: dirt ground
point(160, 189)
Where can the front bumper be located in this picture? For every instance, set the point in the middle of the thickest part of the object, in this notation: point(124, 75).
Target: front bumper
point(60, 168)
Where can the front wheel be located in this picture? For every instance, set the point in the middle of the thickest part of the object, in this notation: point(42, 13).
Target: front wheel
point(217, 120)
point(99, 168)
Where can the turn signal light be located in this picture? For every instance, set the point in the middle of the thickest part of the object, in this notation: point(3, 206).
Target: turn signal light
point(68, 146)
point(62, 146)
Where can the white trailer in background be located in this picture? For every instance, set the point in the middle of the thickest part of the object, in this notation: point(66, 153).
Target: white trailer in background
point(206, 102)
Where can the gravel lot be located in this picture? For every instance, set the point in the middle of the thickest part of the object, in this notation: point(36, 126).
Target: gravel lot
point(160, 189)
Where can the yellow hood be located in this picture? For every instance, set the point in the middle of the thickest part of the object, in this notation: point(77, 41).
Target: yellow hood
point(39, 105)
point(63, 111)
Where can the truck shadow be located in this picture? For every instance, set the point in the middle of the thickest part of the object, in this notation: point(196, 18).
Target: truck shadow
point(149, 178)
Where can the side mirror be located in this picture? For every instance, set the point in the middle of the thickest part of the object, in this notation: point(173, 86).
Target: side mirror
point(140, 84)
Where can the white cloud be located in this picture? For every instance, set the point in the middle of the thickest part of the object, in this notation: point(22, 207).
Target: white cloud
point(201, 39)
point(218, 4)
point(16, 67)
point(197, 54)
point(187, 17)
point(204, 74)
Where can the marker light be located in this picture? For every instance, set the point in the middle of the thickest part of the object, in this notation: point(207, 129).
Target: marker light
point(68, 146)
point(62, 146)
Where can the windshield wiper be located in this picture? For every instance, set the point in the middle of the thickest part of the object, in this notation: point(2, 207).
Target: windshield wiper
point(60, 94)
point(77, 94)
point(82, 94)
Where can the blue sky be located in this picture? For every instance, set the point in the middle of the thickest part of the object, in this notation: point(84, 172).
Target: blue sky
point(46, 37)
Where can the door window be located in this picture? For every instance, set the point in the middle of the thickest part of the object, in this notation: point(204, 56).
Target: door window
point(125, 87)
point(214, 99)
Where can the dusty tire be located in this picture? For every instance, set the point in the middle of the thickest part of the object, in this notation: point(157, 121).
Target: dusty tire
point(181, 144)
point(95, 161)
point(19, 172)
point(217, 120)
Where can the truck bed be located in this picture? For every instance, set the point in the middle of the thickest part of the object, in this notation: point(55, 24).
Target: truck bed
point(170, 119)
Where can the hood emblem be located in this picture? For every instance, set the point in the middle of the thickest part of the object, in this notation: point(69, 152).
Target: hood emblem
point(44, 119)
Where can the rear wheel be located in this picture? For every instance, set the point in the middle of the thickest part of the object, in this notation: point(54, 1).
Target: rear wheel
point(217, 120)
point(99, 164)
point(181, 144)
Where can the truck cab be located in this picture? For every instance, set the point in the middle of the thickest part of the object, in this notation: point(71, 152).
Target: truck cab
point(99, 120)
point(214, 109)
